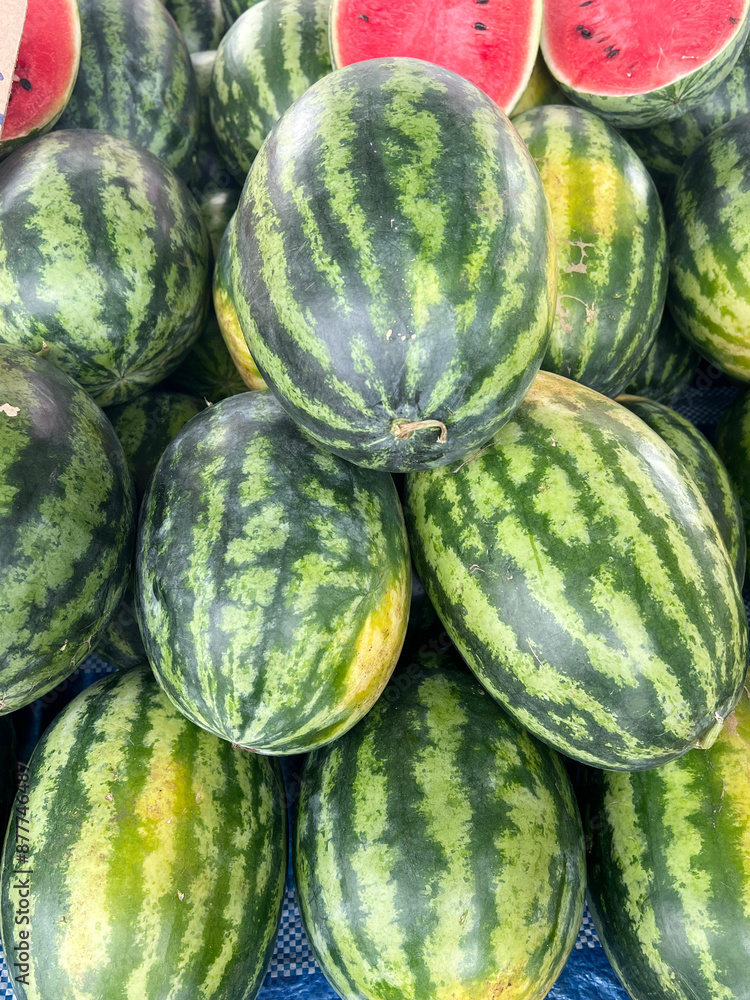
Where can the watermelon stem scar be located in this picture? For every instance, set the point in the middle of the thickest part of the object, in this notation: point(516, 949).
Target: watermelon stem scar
point(404, 429)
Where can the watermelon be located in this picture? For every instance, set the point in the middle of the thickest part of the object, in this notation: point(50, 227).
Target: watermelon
point(669, 365)
point(272, 579)
point(201, 22)
point(733, 445)
point(704, 465)
point(208, 372)
point(492, 45)
point(393, 264)
point(541, 89)
point(67, 522)
point(669, 870)
point(210, 175)
point(580, 573)
point(146, 425)
point(611, 246)
point(664, 148)
point(105, 261)
point(145, 855)
point(136, 79)
point(217, 208)
point(235, 8)
point(635, 66)
point(121, 644)
point(709, 288)
point(226, 315)
point(438, 850)
point(45, 72)
point(269, 57)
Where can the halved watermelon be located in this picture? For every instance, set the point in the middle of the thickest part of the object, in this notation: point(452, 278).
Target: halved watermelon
point(493, 45)
point(45, 72)
point(636, 65)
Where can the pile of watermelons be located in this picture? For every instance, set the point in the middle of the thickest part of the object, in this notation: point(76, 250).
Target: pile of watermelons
point(454, 329)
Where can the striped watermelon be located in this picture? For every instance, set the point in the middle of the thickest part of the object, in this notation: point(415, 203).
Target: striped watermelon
point(611, 246)
point(636, 67)
point(269, 57)
point(581, 575)
point(44, 74)
point(541, 89)
point(67, 521)
point(235, 8)
point(272, 579)
point(135, 79)
point(393, 264)
point(733, 444)
point(218, 208)
point(149, 858)
point(208, 372)
point(201, 22)
point(146, 425)
point(104, 259)
point(438, 849)
point(669, 870)
point(706, 468)
point(665, 147)
point(226, 314)
point(211, 175)
point(709, 288)
point(669, 365)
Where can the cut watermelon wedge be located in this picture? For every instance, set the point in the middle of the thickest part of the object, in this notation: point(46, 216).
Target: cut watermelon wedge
point(45, 72)
point(492, 43)
point(637, 64)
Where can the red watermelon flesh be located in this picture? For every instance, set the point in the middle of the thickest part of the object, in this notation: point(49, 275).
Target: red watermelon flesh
point(492, 43)
point(45, 72)
point(612, 47)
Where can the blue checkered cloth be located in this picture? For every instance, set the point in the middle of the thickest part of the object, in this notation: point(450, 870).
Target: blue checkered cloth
point(293, 972)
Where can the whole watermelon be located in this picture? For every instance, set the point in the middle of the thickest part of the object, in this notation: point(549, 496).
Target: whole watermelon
point(611, 246)
point(67, 521)
point(438, 849)
point(669, 870)
point(709, 245)
point(582, 576)
point(393, 264)
point(136, 80)
point(156, 852)
point(669, 365)
point(272, 579)
point(145, 426)
point(268, 58)
point(105, 261)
